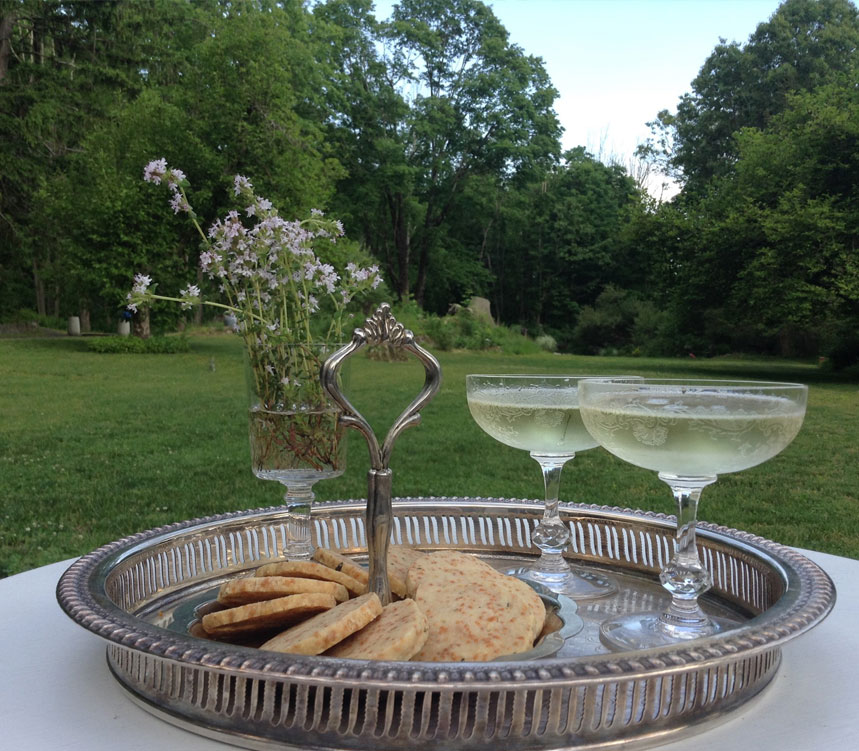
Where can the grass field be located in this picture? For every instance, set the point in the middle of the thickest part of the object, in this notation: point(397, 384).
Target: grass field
point(94, 447)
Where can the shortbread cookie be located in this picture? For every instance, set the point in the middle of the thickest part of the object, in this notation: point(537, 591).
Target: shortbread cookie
point(257, 588)
point(277, 613)
point(481, 619)
point(535, 604)
point(312, 570)
point(325, 630)
point(397, 634)
point(450, 564)
point(340, 562)
point(400, 560)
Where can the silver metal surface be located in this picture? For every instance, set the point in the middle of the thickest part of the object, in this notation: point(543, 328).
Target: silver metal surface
point(380, 328)
point(129, 592)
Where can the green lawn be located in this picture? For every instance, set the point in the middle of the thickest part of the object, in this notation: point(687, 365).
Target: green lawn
point(94, 447)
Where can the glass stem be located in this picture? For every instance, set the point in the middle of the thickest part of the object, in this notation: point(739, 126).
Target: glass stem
point(685, 577)
point(551, 534)
point(297, 502)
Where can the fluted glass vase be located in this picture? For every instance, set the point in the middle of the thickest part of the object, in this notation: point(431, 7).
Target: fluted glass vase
point(295, 435)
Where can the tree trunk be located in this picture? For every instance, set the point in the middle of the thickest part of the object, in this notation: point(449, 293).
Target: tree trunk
point(39, 285)
point(140, 323)
point(401, 243)
point(7, 23)
point(86, 323)
point(423, 267)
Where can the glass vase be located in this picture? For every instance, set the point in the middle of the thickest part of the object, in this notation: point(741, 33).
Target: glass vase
point(295, 435)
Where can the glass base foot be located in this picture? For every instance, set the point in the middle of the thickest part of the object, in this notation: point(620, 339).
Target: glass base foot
point(576, 583)
point(299, 553)
point(646, 630)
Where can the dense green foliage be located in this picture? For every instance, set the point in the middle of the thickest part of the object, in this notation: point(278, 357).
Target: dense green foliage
point(434, 139)
point(93, 448)
point(126, 345)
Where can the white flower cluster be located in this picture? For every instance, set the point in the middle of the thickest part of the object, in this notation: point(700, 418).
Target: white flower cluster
point(139, 291)
point(156, 171)
point(255, 265)
point(269, 273)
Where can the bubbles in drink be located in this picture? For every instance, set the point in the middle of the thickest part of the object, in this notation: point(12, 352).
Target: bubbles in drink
point(539, 420)
point(685, 433)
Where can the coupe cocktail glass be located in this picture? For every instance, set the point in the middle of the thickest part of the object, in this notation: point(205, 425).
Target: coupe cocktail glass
point(689, 431)
point(540, 414)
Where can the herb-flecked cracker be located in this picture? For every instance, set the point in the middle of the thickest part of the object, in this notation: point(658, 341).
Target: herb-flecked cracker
point(325, 630)
point(397, 634)
point(257, 588)
point(312, 570)
point(256, 616)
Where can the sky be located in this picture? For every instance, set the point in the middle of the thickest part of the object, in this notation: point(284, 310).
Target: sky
point(617, 63)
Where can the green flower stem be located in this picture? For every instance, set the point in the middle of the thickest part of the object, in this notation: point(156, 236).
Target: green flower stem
point(210, 303)
point(193, 215)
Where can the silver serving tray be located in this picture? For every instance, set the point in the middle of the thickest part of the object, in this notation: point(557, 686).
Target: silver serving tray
point(129, 592)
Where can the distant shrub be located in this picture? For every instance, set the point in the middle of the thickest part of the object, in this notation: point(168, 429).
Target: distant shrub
point(27, 316)
point(605, 327)
point(463, 330)
point(844, 353)
point(547, 343)
point(127, 345)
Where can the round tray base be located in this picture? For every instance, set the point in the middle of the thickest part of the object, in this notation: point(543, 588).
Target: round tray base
point(581, 696)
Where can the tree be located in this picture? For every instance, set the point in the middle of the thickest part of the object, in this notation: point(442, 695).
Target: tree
point(218, 88)
point(765, 259)
point(557, 241)
point(254, 94)
point(450, 100)
point(806, 44)
point(797, 185)
point(72, 64)
point(375, 195)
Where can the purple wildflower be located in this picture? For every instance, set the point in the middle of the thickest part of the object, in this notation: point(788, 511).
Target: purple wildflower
point(179, 203)
point(174, 177)
point(241, 183)
point(154, 171)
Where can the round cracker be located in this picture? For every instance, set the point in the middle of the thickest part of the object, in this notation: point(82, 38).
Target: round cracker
point(534, 603)
point(397, 634)
point(477, 619)
point(400, 560)
point(325, 630)
point(257, 588)
point(312, 570)
point(340, 562)
point(453, 566)
point(268, 614)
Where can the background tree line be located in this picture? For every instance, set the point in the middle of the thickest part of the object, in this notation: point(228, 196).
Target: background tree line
point(434, 139)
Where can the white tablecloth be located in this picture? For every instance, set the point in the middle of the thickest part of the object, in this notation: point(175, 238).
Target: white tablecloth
point(56, 691)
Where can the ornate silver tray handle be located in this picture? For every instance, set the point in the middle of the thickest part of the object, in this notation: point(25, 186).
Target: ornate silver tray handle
point(380, 328)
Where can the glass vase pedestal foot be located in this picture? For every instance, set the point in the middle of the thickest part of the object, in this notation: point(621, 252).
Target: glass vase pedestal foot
point(298, 544)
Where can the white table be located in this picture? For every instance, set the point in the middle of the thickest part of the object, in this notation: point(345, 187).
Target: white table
point(56, 691)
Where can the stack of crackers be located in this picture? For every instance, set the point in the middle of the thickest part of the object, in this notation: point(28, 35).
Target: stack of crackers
point(453, 608)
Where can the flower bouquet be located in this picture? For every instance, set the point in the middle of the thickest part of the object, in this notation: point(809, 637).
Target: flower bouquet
point(290, 308)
